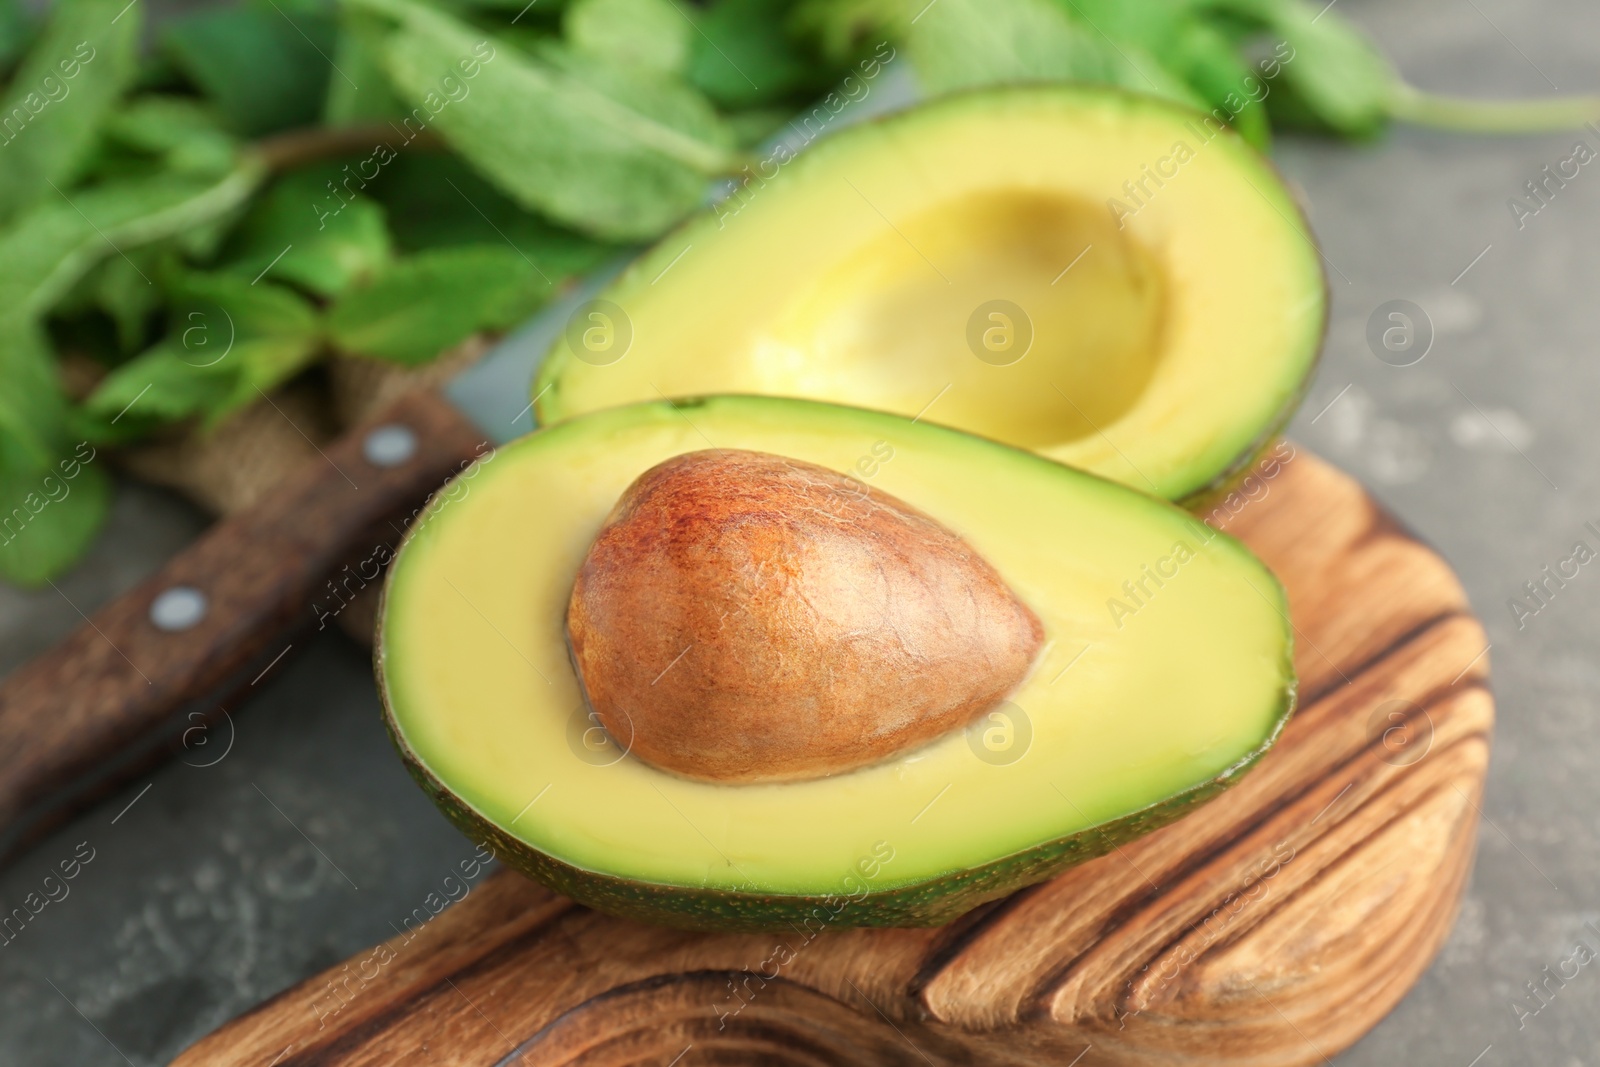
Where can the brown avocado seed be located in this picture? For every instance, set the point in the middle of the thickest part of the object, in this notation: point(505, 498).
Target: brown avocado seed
point(744, 617)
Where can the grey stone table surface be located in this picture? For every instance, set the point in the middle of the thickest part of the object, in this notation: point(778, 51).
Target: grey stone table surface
point(220, 885)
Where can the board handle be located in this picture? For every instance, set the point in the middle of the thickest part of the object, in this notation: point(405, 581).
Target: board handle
point(103, 703)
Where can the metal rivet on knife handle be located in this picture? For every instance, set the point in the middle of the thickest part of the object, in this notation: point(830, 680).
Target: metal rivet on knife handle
point(179, 608)
point(197, 633)
point(389, 445)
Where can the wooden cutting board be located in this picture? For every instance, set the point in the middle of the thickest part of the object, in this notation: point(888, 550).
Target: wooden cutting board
point(1274, 925)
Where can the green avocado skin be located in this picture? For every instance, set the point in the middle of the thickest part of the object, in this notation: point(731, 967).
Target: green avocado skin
point(931, 902)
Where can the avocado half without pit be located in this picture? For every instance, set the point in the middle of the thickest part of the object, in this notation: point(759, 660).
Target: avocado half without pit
point(671, 661)
point(1108, 279)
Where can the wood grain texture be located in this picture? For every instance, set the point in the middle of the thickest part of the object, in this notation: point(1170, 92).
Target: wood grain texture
point(118, 690)
point(1273, 926)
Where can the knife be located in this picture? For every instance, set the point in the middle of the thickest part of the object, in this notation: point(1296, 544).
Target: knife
point(130, 685)
point(143, 673)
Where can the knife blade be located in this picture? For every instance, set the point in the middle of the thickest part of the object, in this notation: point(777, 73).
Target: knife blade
point(128, 686)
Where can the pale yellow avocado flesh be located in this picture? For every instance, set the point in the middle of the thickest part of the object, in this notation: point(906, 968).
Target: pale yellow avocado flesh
point(1126, 708)
point(1173, 324)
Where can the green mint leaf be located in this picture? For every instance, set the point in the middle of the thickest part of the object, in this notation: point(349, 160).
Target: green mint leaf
point(1145, 23)
point(265, 65)
point(314, 230)
point(959, 44)
point(652, 35)
point(1249, 14)
point(16, 30)
point(251, 310)
point(1335, 73)
point(1232, 90)
point(613, 153)
point(44, 253)
point(744, 57)
point(165, 383)
point(661, 115)
point(435, 200)
point(51, 113)
point(48, 518)
point(52, 501)
point(121, 288)
point(425, 304)
point(360, 93)
point(841, 30)
point(268, 333)
point(228, 342)
point(185, 134)
point(32, 407)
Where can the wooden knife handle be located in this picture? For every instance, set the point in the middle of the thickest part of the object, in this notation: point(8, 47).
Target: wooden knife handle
point(87, 714)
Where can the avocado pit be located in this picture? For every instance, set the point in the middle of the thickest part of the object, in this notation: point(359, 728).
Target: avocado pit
point(747, 617)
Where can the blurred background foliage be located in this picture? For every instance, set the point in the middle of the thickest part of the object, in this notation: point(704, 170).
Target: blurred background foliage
point(195, 214)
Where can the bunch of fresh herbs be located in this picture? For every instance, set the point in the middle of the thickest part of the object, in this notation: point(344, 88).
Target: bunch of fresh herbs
point(206, 211)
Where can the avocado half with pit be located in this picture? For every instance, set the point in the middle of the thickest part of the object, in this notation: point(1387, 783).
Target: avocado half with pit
point(763, 663)
point(1108, 279)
